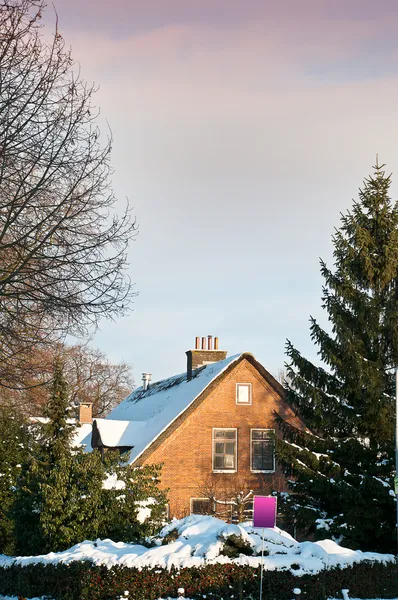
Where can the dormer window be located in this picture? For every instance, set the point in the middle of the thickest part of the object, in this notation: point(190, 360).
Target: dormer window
point(244, 393)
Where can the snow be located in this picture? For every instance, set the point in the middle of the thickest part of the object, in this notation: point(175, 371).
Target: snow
point(200, 541)
point(113, 483)
point(115, 433)
point(82, 435)
point(144, 511)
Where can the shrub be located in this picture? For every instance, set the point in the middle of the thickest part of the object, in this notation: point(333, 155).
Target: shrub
point(84, 581)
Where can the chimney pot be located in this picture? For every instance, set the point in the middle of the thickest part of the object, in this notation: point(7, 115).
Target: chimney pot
point(146, 378)
point(197, 343)
point(216, 343)
point(203, 343)
point(210, 342)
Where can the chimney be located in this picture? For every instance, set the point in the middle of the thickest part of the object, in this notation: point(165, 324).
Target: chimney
point(85, 412)
point(146, 378)
point(204, 355)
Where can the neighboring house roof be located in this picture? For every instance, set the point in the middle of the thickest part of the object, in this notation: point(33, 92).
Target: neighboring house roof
point(82, 435)
point(145, 415)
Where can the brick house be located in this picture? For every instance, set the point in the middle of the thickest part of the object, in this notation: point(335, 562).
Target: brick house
point(212, 427)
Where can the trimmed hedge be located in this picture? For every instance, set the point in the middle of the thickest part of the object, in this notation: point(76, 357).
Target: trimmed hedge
point(83, 581)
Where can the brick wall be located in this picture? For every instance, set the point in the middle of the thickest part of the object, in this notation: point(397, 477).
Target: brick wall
point(187, 452)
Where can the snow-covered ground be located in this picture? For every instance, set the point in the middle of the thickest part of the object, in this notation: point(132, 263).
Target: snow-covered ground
point(200, 540)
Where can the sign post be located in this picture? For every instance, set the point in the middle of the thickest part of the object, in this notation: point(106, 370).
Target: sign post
point(264, 515)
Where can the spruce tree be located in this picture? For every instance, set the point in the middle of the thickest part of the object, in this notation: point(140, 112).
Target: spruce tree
point(342, 468)
point(65, 495)
point(60, 487)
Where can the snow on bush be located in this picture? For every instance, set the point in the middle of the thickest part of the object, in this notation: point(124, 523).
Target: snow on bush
point(200, 540)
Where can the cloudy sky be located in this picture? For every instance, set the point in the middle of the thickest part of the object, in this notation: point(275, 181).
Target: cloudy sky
point(242, 129)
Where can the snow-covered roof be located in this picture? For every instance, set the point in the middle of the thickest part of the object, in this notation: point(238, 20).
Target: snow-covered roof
point(82, 435)
point(145, 414)
point(115, 433)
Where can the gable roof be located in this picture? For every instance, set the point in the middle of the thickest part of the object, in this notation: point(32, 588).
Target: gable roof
point(145, 415)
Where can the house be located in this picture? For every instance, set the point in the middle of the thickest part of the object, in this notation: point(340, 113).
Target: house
point(212, 427)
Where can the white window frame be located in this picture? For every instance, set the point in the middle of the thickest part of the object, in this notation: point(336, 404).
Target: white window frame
point(250, 394)
point(191, 501)
point(251, 451)
point(213, 439)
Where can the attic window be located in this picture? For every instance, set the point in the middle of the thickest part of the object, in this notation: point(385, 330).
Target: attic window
point(224, 450)
point(244, 393)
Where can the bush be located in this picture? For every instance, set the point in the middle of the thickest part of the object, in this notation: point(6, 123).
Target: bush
point(84, 581)
point(234, 545)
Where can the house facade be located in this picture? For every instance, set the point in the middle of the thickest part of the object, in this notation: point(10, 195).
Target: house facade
point(213, 428)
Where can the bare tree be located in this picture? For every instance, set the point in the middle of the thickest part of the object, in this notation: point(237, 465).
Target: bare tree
point(233, 500)
point(91, 377)
point(62, 247)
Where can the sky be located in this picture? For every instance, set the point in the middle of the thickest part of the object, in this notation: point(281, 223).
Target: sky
point(242, 129)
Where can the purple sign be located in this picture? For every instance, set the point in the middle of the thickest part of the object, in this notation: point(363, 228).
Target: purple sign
point(264, 511)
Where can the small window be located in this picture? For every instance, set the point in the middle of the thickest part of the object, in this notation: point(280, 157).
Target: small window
point(202, 506)
point(262, 450)
point(244, 393)
point(224, 450)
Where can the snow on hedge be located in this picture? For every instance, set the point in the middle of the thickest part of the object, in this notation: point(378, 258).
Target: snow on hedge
point(199, 540)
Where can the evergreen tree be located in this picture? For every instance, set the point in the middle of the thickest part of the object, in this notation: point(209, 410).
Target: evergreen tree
point(14, 448)
point(66, 495)
point(134, 508)
point(342, 468)
point(60, 486)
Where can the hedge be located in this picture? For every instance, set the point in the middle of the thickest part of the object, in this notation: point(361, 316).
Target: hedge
point(84, 581)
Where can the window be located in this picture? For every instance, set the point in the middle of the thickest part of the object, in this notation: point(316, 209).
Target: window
point(224, 450)
point(202, 506)
point(262, 450)
point(244, 393)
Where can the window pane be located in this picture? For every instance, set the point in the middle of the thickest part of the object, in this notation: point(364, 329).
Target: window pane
point(257, 463)
point(225, 434)
point(229, 461)
point(257, 448)
point(219, 462)
point(230, 448)
point(219, 449)
point(257, 434)
point(243, 392)
point(268, 462)
point(201, 506)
